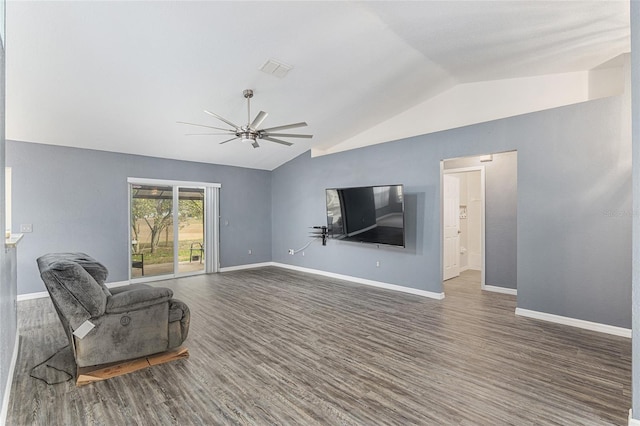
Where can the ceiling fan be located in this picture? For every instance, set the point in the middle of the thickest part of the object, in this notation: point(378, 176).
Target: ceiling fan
point(251, 133)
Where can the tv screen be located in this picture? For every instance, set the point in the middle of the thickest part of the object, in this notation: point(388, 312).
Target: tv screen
point(368, 214)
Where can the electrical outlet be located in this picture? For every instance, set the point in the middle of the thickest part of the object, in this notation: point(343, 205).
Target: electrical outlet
point(249, 251)
point(302, 254)
point(377, 263)
point(26, 227)
point(291, 251)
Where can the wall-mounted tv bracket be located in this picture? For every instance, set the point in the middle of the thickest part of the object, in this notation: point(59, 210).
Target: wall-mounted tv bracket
point(321, 232)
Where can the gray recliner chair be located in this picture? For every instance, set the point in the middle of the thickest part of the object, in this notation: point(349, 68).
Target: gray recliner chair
point(131, 321)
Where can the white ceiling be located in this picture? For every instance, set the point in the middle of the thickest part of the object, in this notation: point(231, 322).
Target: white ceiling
point(116, 76)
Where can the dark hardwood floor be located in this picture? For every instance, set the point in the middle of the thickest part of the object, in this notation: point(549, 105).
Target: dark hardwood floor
point(274, 346)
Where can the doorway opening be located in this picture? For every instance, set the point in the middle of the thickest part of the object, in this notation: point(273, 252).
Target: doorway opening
point(173, 229)
point(463, 221)
point(479, 221)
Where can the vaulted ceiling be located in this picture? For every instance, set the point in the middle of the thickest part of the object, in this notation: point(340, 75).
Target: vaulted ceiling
point(117, 76)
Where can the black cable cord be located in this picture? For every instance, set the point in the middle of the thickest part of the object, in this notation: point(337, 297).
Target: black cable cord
point(51, 366)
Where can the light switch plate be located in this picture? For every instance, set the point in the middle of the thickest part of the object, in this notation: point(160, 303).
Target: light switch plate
point(26, 228)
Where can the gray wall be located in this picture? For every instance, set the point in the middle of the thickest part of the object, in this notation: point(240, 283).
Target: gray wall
point(501, 212)
point(76, 200)
point(574, 179)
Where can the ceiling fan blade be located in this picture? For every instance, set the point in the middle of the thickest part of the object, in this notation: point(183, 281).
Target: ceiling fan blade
point(286, 126)
point(288, 135)
point(202, 125)
point(276, 140)
point(229, 140)
point(222, 119)
point(258, 120)
point(208, 134)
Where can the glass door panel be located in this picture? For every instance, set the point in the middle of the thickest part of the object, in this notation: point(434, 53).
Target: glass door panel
point(191, 230)
point(152, 227)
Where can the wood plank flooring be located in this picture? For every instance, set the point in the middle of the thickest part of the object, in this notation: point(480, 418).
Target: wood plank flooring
point(274, 346)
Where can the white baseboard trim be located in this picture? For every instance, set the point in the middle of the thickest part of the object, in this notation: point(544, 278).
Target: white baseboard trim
point(29, 296)
point(247, 266)
point(41, 294)
point(632, 421)
point(504, 290)
point(573, 322)
point(7, 389)
point(424, 293)
point(357, 280)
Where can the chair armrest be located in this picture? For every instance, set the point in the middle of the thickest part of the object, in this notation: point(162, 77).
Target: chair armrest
point(137, 298)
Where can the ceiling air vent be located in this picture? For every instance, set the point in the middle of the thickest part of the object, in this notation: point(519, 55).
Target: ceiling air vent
point(276, 68)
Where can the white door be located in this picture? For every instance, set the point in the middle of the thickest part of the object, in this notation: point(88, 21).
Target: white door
point(451, 223)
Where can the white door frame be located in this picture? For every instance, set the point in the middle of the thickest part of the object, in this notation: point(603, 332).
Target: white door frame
point(482, 213)
point(211, 224)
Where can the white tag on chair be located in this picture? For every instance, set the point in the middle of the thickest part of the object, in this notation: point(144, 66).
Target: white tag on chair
point(84, 329)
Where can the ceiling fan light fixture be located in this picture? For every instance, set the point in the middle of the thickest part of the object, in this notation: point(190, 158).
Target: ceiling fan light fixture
point(252, 131)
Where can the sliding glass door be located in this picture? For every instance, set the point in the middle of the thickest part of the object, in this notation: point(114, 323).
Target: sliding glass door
point(173, 228)
point(191, 213)
point(152, 221)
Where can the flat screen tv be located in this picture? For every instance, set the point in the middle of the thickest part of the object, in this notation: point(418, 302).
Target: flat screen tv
point(368, 214)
